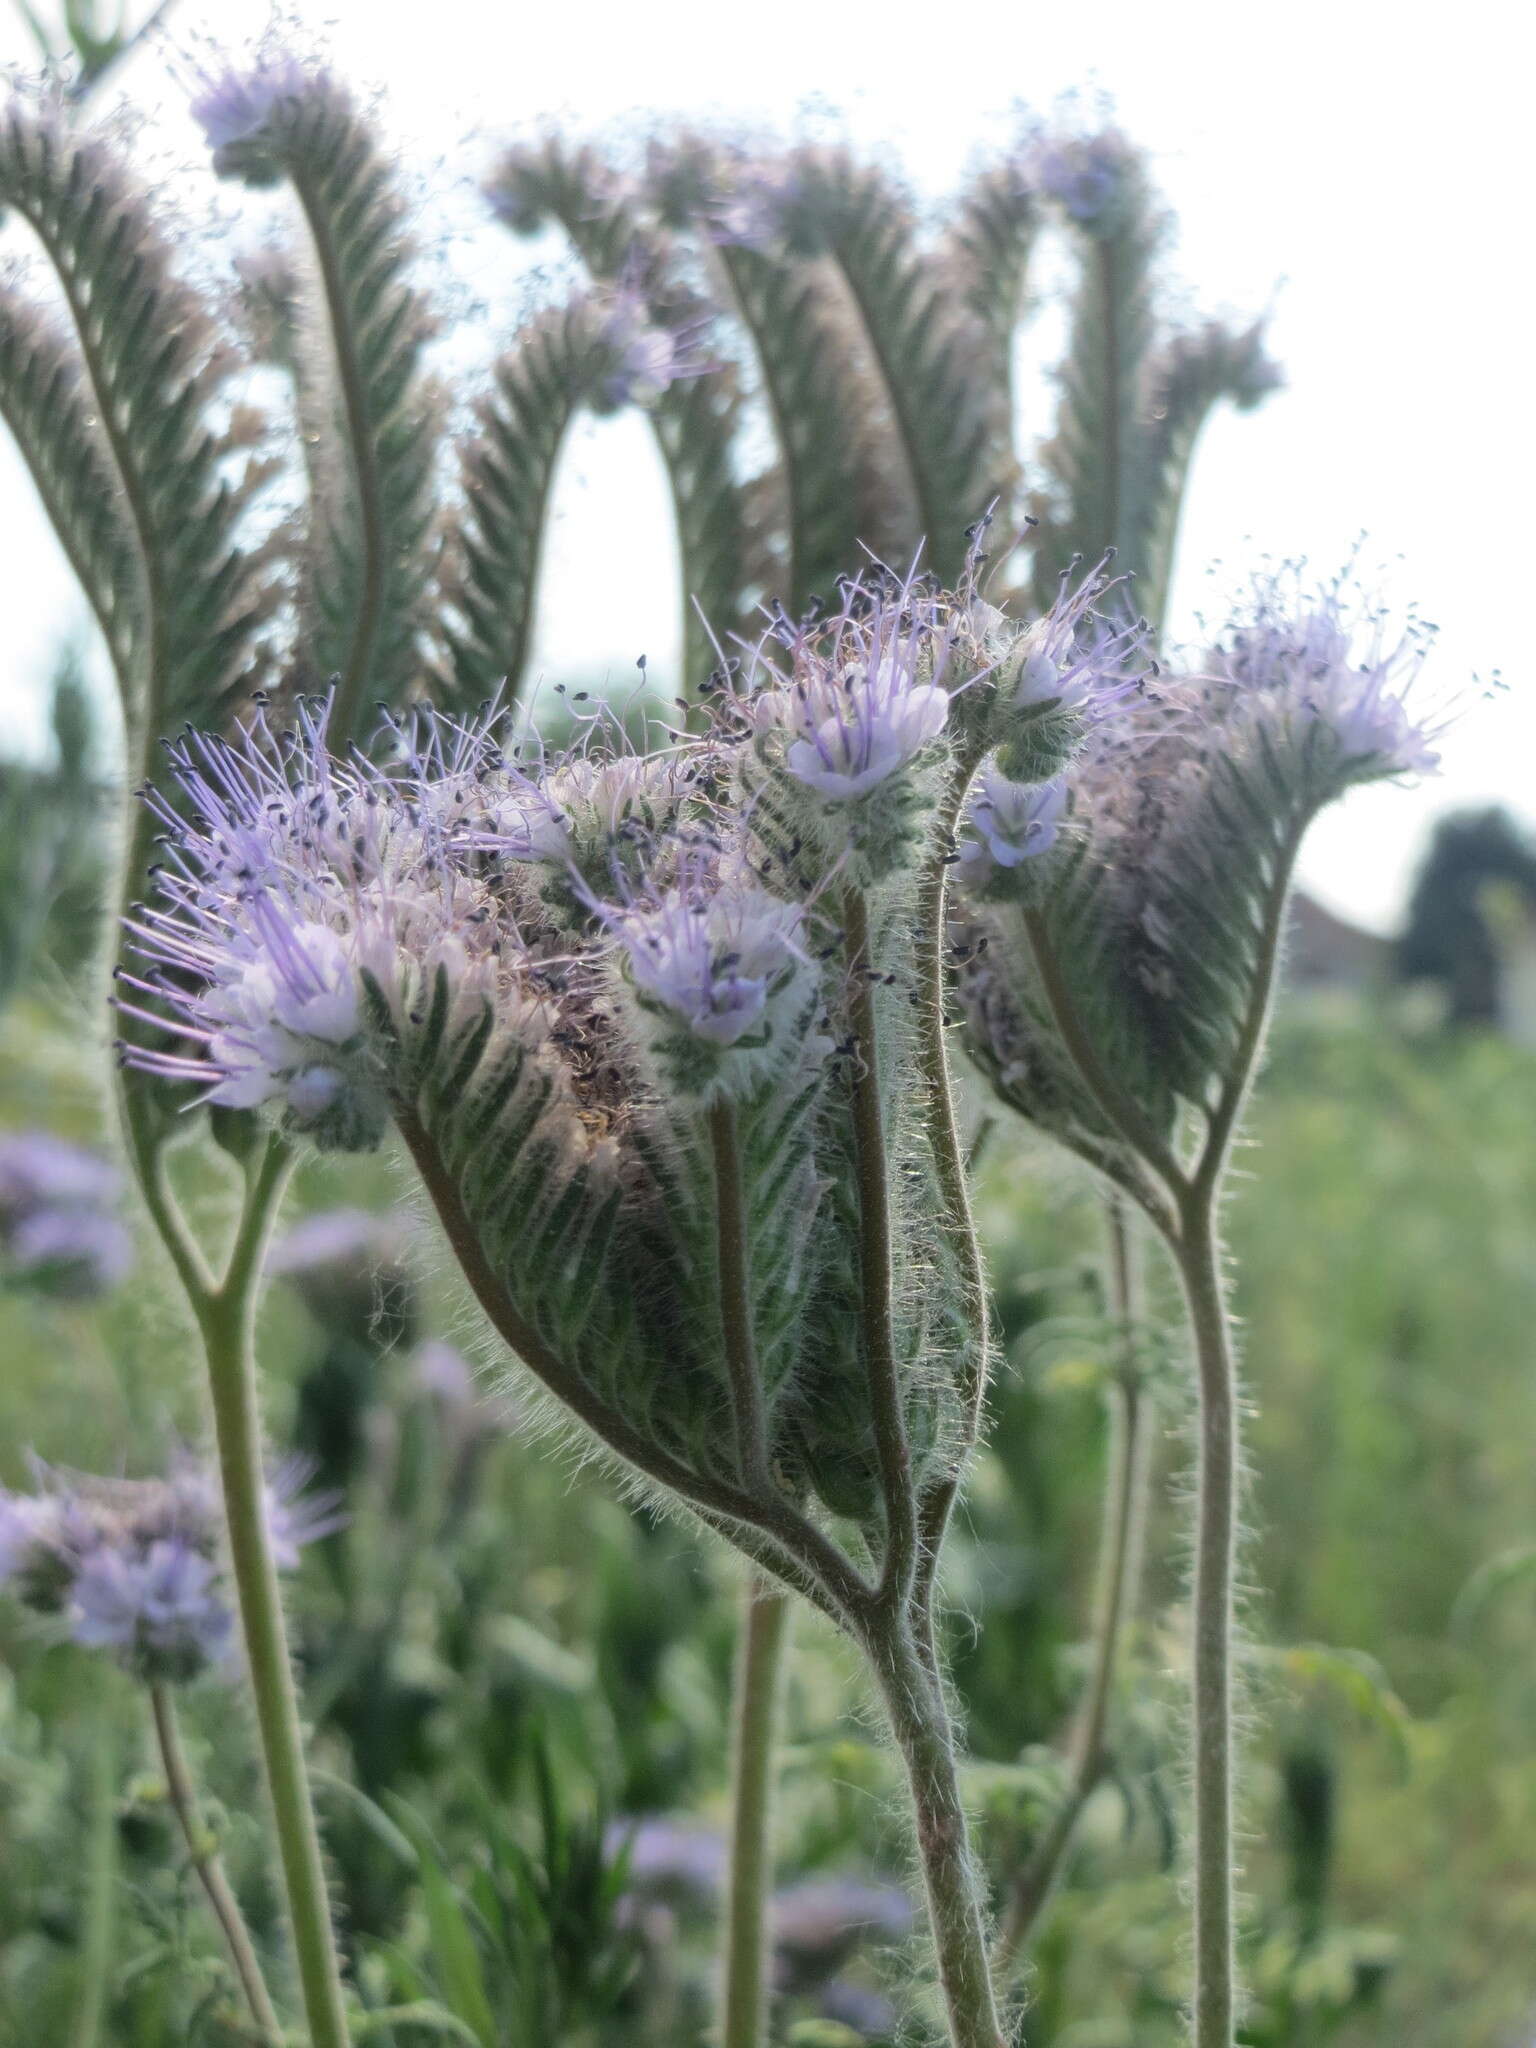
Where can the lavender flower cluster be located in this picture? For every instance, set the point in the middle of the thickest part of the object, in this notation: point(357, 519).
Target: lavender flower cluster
point(134, 1566)
point(549, 972)
point(310, 900)
point(1185, 801)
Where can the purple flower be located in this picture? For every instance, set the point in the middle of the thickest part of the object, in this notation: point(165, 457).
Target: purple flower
point(296, 1518)
point(717, 957)
point(1075, 660)
point(869, 2013)
point(238, 104)
point(444, 1374)
point(865, 695)
point(668, 1856)
point(646, 358)
point(350, 1268)
point(296, 880)
point(818, 1923)
point(58, 1226)
point(755, 212)
point(22, 1520)
point(336, 1237)
point(38, 1170)
point(136, 1565)
point(1087, 175)
point(585, 807)
point(74, 1251)
point(1010, 822)
point(1318, 661)
point(160, 1609)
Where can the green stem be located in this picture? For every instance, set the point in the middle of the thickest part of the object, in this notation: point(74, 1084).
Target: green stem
point(99, 1919)
point(876, 1279)
point(1119, 1569)
point(205, 1861)
point(949, 1156)
point(227, 1317)
point(760, 1660)
point(920, 1724)
point(1197, 1251)
point(1215, 1549)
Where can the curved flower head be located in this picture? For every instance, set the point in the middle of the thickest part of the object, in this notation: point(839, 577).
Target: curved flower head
point(1191, 804)
point(239, 108)
point(301, 894)
point(1326, 663)
point(1090, 177)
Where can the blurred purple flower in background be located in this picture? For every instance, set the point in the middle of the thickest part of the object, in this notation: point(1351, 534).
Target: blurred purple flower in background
point(237, 104)
point(160, 1609)
point(1085, 174)
point(59, 1226)
point(670, 1857)
point(136, 1566)
point(818, 1924)
point(647, 356)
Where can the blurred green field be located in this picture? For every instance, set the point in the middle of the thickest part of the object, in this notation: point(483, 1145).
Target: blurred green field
point(536, 1653)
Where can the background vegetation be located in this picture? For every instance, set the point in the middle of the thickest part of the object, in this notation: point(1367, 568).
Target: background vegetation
point(513, 1678)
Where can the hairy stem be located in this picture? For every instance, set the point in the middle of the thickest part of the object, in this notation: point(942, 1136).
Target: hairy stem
point(227, 1317)
point(205, 1861)
point(1197, 1250)
point(1119, 1563)
point(760, 1658)
point(1215, 2005)
point(949, 1158)
point(875, 1263)
point(920, 1724)
point(98, 1930)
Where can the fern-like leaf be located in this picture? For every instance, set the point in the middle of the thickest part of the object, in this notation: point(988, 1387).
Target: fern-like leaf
point(696, 421)
point(933, 353)
point(1096, 463)
point(47, 408)
point(155, 373)
point(507, 470)
point(1189, 377)
point(986, 254)
point(361, 330)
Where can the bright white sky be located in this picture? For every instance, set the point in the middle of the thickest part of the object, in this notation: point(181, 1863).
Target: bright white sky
point(1364, 168)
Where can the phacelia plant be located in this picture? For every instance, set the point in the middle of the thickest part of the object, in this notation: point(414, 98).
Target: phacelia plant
point(662, 1026)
